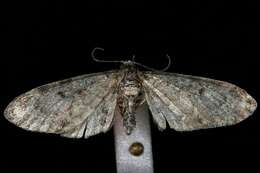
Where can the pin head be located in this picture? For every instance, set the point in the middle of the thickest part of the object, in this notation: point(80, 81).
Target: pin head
point(136, 149)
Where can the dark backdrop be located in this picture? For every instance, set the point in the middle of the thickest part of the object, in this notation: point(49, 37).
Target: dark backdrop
point(47, 41)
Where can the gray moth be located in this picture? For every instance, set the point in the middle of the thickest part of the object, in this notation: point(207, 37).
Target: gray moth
point(84, 106)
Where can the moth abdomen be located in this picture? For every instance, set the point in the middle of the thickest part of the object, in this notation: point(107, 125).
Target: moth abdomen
point(129, 122)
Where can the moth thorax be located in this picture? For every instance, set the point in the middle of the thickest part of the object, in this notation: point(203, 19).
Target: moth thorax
point(131, 91)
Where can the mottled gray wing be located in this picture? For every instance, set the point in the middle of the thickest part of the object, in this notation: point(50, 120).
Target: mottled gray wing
point(74, 107)
point(190, 103)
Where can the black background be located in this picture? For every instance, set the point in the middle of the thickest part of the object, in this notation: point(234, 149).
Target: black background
point(46, 41)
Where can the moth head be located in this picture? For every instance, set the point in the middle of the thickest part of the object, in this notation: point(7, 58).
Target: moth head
point(129, 65)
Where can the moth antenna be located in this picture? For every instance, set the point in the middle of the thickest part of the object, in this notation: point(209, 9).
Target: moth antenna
point(169, 63)
point(101, 60)
point(149, 68)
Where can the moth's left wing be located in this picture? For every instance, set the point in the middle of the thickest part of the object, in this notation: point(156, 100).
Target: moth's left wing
point(75, 107)
point(190, 103)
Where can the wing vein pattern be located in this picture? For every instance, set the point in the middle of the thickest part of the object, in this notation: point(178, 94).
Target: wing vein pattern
point(75, 107)
point(191, 103)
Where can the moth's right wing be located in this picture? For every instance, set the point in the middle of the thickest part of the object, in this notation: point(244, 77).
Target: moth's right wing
point(190, 102)
point(75, 107)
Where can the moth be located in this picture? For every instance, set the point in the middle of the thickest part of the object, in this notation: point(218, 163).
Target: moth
point(84, 106)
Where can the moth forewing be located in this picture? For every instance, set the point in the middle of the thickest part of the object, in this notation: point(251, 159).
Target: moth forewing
point(66, 107)
point(191, 103)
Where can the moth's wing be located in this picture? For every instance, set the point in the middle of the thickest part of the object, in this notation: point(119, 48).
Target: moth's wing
point(74, 107)
point(190, 103)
